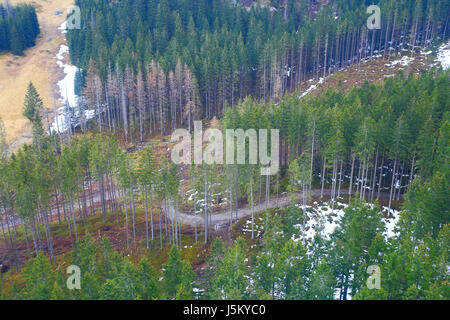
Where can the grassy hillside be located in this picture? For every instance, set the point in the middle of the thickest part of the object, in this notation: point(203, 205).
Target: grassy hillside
point(37, 65)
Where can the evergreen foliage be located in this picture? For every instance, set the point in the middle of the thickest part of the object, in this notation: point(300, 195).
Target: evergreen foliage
point(19, 27)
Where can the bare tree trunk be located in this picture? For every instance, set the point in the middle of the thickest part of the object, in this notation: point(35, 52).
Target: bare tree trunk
point(74, 218)
point(351, 176)
point(392, 184)
point(146, 216)
point(326, 55)
point(49, 235)
point(400, 181)
point(411, 173)
point(33, 234)
point(176, 223)
point(126, 217)
point(358, 179)
point(160, 228)
point(231, 204)
point(267, 191)
point(206, 207)
point(251, 201)
point(374, 176)
point(380, 181)
point(333, 183)
point(312, 153)
point(340, 179)
point(124, 109)
point(323, 176)
point(366, 178)
point(195, 215)
point(134, 215)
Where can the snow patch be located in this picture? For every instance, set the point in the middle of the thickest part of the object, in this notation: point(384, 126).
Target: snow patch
point(323, 220)
point(404, 61)
point(443, 56)
point(63, 27)
point(66, 89)
point(67, 85)
point(311, 88)
point(391, 222)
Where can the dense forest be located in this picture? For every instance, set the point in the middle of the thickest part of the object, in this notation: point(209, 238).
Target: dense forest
point(413, 266)
point(19, 27)
point(390, 138)
point(149, 66)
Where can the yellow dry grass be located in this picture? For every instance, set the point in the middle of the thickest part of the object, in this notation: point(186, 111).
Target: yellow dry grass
point(37, 65)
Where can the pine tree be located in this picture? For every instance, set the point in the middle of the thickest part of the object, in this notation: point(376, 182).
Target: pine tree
point(178, 276)
point(16, 44)
point(230, 281)
point(33, 107)
point(38, 277)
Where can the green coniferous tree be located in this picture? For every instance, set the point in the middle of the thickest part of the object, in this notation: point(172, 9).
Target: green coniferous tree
point(33, 107)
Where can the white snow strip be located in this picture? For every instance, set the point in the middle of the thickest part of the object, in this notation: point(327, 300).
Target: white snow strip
point(62, 50)
point(63, 27)
point(66, 88)
point(443, 56)
point(66, 85)
point(404, 61)
point(322, 219)
point(312, 88)
point(391, 223)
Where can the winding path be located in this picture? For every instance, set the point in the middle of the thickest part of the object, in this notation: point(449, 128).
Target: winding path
point(222, 219)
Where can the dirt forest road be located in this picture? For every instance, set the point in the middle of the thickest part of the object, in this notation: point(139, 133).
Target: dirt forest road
point(222, 219)
point(218, 220)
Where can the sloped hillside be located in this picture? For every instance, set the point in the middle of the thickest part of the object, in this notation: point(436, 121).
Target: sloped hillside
point(37, 65)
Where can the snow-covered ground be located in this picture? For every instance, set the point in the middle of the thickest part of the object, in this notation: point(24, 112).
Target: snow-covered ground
point(311, 88)
point(404, 61)
point(391, 222)
point(66, 85)
point(66, 89)
point(63, 27)
point(323, 219)
point(443, 56)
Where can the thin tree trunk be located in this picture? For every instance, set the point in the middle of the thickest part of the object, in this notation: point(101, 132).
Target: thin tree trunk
point(392, 184)
point(126, 217)
point(134, 214)
point(146, 216)
point(374, 177)
point(351, 176)
point(323, 176)
point(340, 179)
point(251, 201)
point(380, 180)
